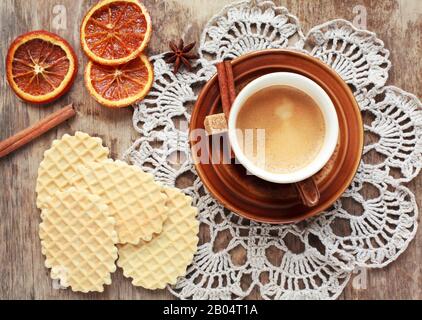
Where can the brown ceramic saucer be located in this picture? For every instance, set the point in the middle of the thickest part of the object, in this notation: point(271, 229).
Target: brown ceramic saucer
point(263, 201)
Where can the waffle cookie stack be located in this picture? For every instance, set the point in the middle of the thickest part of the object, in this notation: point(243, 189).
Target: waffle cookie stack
point(94, 210)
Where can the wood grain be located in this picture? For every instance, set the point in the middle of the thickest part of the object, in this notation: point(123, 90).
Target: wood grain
point(22, 274)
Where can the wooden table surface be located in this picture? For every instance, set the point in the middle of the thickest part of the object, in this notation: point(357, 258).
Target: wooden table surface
point(22, 273)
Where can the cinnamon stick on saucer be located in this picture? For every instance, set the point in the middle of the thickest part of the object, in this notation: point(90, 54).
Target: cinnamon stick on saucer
point(230, 81)
point(218, 123)
point(227, 87)
point(23, 137)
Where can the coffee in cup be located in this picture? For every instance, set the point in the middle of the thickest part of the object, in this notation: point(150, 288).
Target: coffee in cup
point(292, 125)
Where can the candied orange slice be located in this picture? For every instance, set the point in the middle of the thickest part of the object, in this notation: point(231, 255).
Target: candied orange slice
point(40, 66)
point(119, 86)
point(114, 32)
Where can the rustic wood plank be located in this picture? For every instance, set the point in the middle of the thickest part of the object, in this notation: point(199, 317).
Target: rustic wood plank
point(22, 274)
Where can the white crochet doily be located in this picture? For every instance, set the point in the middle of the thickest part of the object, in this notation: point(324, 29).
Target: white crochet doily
point(313, 259)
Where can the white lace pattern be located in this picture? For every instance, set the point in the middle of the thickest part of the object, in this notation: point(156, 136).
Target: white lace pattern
point(320, 265)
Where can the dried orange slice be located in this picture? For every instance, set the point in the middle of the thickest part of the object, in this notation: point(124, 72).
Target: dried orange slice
point(119, 86)
point(115, 31)
point(40, 66)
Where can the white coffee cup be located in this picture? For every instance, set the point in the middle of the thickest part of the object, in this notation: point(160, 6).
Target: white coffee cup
point(324, 103)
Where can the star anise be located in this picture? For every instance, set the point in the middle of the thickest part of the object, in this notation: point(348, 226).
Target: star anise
point(180, 55)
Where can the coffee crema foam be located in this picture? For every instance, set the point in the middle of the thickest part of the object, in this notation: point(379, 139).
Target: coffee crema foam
point(282, 129)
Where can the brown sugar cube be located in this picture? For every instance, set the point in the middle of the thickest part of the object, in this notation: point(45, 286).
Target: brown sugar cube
point(215, 124)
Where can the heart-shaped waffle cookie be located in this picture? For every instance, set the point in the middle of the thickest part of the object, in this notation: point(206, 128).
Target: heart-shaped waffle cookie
point(78, 239)
point(135, 200)
point(60, 161)
point(159, 262)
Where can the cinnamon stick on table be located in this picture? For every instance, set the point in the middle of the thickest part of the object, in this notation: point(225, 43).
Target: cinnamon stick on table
point(23, 137)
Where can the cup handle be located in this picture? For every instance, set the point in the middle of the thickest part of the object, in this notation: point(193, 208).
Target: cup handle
point(308, 192)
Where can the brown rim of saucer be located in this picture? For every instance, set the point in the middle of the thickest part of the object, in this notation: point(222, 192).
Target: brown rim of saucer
point(253, 198)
